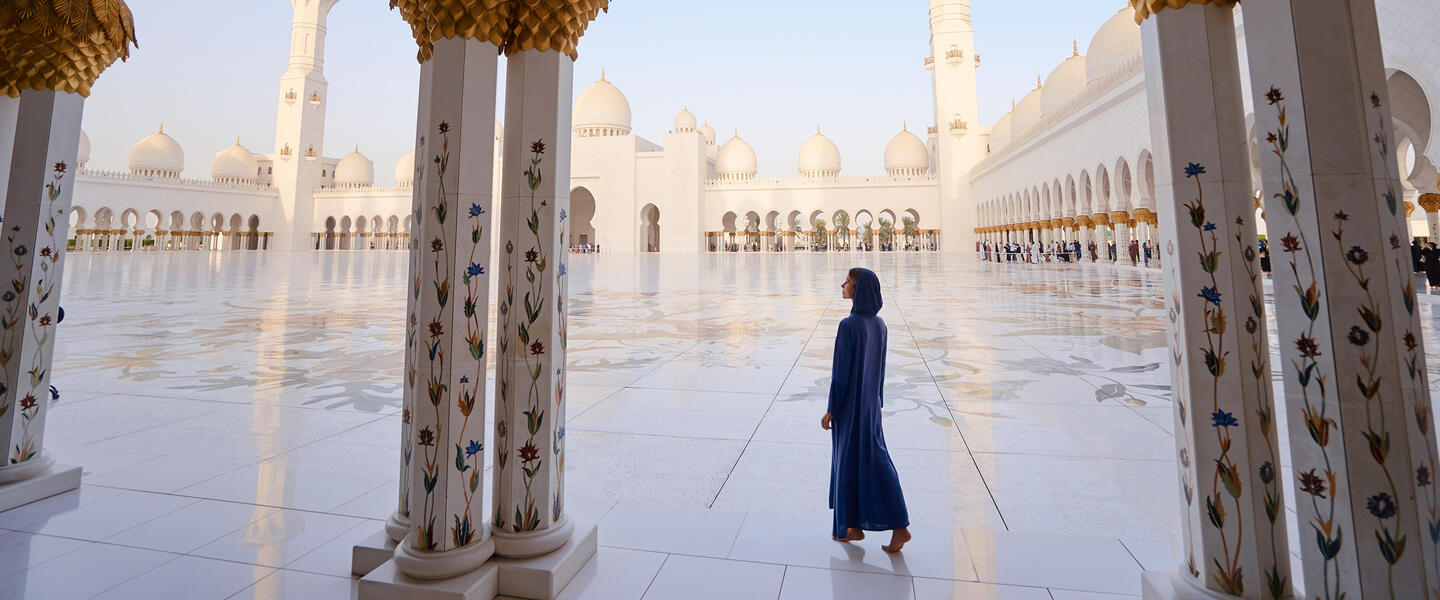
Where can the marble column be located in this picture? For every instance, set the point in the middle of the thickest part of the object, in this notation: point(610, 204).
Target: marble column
point(1353, 362)
point(1102, 226)
point(1233, 517)
point(443, 411)
point(529, 504)
point(1431, 204)
point(38, 193)
point(1120, 221)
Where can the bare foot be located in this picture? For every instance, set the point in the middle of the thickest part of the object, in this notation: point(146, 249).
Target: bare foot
point(897, 540)
point(851, 535)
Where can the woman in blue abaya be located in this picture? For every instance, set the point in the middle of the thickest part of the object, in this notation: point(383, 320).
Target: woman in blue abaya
point(864, 488)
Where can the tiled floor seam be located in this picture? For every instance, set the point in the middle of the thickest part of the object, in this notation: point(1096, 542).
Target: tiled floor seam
point(955, 422)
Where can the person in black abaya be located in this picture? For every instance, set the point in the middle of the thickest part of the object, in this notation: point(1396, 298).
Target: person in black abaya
point(1431, 256)
point(864, 487)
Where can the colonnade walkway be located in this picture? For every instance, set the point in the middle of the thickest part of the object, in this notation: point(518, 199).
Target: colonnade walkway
point(236, 416)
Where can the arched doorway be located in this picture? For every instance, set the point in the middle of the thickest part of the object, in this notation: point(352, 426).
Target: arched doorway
point(582, 216)
point(650, 228)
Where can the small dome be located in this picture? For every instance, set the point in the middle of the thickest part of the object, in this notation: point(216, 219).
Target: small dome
point(1115, 43)
point(736, 160)
point(1026, 114)
point(906, 156)
point(1063, 84)
point(601, 110)
point(235, 164)
point(405, 168)
point(1000, 132)
point(685, 121)
point(355, 170)
point(158, 155)
point(84, 155)
point(709, 133)
point(819, 157)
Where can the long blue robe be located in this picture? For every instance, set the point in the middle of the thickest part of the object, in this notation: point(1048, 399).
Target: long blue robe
point(864, 487)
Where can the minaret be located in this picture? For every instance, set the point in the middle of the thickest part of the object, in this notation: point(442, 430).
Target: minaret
point(958, 145)
point(300, 125)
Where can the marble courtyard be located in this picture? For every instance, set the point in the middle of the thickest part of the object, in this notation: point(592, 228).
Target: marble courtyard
point(236, 417)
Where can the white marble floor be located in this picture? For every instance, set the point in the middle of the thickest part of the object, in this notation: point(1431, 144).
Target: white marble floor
point(235, 415)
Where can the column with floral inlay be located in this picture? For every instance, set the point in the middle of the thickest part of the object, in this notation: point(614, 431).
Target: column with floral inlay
point(1362, 436)
point(1233, 518)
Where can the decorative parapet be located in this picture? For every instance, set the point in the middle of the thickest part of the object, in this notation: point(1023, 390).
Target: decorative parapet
point(860, 180)
point(1131, 68)
point(194, 183)
point(930, 62)
point(363, 190)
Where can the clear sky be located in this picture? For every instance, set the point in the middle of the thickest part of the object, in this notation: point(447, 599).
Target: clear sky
point(773, 69)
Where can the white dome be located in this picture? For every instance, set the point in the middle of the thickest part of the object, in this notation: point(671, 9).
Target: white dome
point(1116, 42)
point(84, 155)
point(234, 163)
point(709, 133)
point(1026, 114)
point(601, 110)
point(819, 157)
point(1063, 84)
point(685, 121)
point(405, 168)
point(158, 155)
point(1000, 132)
point(355, 170)
point(736, 160)
point(906, 155)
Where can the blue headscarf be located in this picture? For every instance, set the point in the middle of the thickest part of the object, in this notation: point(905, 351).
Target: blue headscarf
point(867, 293)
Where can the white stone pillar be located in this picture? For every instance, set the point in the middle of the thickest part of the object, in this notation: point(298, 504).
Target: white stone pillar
point(529, 507)
point(1363, 447)
point(1431, 204)
point(40, 186)
point(9, 112)
point(1234, 536)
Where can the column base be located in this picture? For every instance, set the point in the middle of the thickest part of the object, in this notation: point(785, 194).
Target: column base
point(386, 582)
point(543, 577)
point(1171, 585)
point(424, 564)
point(370, 553)
point(57, 479)
point(532, 543)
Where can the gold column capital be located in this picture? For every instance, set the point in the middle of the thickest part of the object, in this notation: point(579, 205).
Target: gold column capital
point(1145, 8)
point(512, 26)
point(1119, 217)
point(1430, 202)
point(1100, 218)
point(61, 45)
point(1409, 208)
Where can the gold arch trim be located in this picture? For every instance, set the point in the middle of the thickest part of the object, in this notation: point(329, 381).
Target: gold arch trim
point(1145, 8)
point(511, 25)
point(61, 45)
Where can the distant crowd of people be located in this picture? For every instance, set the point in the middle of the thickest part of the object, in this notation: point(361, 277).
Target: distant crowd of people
point(1426, 259)
point(1066, 252)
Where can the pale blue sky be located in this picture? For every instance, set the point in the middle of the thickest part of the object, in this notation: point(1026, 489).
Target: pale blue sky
point(772, 68)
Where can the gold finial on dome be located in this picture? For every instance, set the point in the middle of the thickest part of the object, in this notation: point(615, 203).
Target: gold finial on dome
point(904, 126)
point(1038, 85)
point(237, 140)
point(1075, 44)
point(357, 148)
point(602, 73)
point(162, 127)
point(817, 129)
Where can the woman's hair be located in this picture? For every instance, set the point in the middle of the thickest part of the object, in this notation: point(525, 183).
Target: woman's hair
point(853, 275)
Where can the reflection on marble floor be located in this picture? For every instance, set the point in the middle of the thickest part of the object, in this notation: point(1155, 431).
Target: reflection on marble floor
point(248, 401)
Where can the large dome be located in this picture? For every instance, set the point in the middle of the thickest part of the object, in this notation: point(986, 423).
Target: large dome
point(158, 155)
point(736, 160)
point(1000, 132)
point(405, 169)
point(355, 170)
point(601, 110)
point(1064, 83)
point(1117, 42)
point(685, 121)
point(906, 156)
point(819, 157)
point(83, 156)
point(1026, 114)
point(234, 164)
point(709, 133)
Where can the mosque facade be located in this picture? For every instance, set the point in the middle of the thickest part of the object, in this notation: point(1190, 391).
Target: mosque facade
point(1070, 161)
